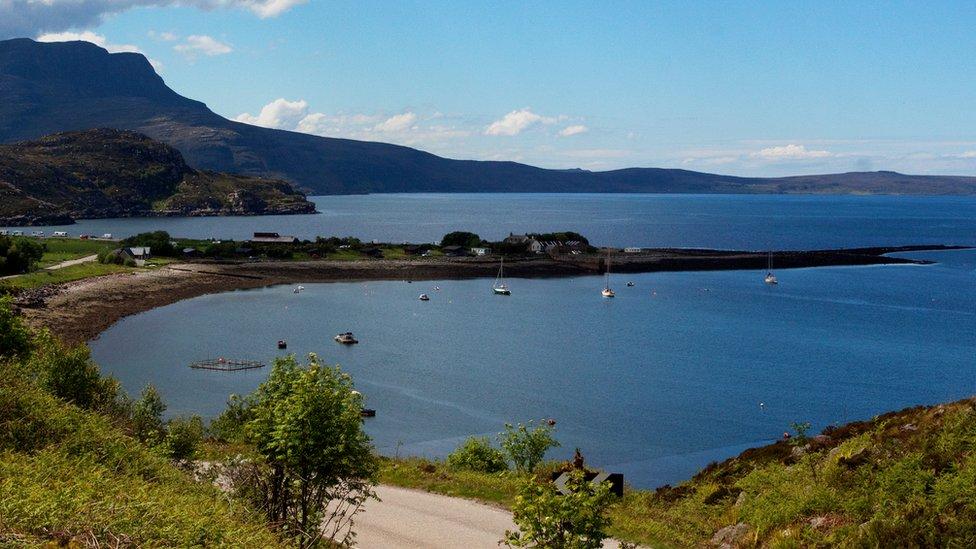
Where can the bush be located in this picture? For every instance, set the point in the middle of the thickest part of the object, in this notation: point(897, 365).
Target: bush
point(14, 336)
point(69, 374)
point(229, 425)
point(147, 416)
point(477, 454)
point(547, 518)
point(183, 436)
point(526, 448)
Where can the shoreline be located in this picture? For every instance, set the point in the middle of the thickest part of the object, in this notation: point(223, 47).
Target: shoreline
point(79, 311)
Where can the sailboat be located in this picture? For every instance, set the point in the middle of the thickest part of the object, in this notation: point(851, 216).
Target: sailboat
point(607, 292)
point(499, 287)
point(770, 277)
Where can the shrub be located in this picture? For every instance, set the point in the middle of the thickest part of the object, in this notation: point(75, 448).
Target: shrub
point(229, 425)
point(547, 518)
point(477, 454)
point(14, 336)
point(183, 436)
point(526, 447)
point(147, 416)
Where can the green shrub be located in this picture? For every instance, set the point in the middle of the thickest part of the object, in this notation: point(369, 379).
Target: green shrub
point(183, 436)
point(14, 336)
point(19, 255)
point(461, 238)
point(229, 425)
point(69, 374)
point(477, 454)
point(147, 416)
point(526, 447)
point(547, 518)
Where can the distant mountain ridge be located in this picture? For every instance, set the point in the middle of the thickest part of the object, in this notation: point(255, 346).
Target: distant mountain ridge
point(54, 87)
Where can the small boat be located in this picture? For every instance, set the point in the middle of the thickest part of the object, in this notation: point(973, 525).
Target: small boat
point(346, 339)
point(424, 297)
point(499, 287)
point(368, 412)
point(437, 288)
point(630, 284)
point(282, 344)
point(299, 289)
point(607, 292)
point(770, 277)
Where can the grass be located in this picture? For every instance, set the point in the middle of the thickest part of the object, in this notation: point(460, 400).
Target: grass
point(66, 249)
point(67, 274)
point(69, 477)
point(436, 477)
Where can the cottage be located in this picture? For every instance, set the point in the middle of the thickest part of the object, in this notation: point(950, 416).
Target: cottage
point(481, 251)
point(274, 238)
point(455, 251)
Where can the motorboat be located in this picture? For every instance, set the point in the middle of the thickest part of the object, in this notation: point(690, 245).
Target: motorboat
point(346, 338)
point(424, 297)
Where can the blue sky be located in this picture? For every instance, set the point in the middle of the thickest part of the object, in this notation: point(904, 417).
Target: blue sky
point(767, 88)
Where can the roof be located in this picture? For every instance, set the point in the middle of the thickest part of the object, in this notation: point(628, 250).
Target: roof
point(275, 239)
point(139, 250)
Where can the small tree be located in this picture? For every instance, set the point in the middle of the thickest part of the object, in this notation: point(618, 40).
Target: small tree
point(527, 447)
point(147, 416)
point(318, 466)
point(547, 518)
point(477, 454)
point(801, 432)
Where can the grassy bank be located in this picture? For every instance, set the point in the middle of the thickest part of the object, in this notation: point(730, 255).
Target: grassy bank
point(58, 250)
point(37, 279)
point(901, 479)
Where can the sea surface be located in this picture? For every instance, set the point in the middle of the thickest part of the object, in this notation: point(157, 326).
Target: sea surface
point(680, 370)
point(755, 222)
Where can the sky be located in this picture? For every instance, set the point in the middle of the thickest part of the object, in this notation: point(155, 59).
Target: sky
point(744, 88)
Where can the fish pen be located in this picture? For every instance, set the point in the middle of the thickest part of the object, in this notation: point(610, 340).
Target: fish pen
point(226, 365)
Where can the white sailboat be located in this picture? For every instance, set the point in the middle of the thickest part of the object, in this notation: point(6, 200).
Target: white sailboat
point(499, 287)
point(770, 277)
point(607, 292)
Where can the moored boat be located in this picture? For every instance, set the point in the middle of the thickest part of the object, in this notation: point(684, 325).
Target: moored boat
point(424, 297)
point(607, 292)
point(499, 287)
point(346, 338)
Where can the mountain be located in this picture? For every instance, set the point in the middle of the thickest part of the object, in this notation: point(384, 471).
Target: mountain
point(55, 87)
point(116, 173)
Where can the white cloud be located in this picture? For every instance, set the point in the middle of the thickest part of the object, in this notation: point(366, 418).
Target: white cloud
point(790, 152)
point(164, 36)
point(397, 123)
point(280, 114)
point(30, 17)
point(573, 130)
point(201, 44)
point(98, 40)
point(518, 121)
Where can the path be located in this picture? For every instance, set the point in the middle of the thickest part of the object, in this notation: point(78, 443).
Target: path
point(409, 519)
point(63, 264)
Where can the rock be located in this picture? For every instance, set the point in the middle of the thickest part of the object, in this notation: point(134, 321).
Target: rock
point(730, 536)
point(856, 459)
point(909, 427)
point(739, 501)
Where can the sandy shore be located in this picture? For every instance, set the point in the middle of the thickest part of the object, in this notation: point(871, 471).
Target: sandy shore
point(79, 311)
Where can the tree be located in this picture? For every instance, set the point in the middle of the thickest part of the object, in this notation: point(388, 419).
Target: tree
point(14, 336)
point(319, 467)
point(183, 435)
point(547, 518)
point(70, 374)
point(159, 242)
point(461, 238)
point(477, 454)
point(19, 255)
point(527, 447)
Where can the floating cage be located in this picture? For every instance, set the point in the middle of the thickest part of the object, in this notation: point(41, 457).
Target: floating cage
point(226, 364)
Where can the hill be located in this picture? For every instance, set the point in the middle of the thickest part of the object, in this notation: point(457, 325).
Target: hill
point(55, 87)
point(113, 173)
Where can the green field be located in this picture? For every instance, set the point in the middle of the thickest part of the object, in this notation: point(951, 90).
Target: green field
point(67, 274)
point(66, 249)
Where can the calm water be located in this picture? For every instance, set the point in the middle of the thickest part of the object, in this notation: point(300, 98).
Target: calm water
point(655, 383)
point(714, 221)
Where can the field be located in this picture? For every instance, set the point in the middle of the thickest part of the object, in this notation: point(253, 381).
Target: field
point(59, 276)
